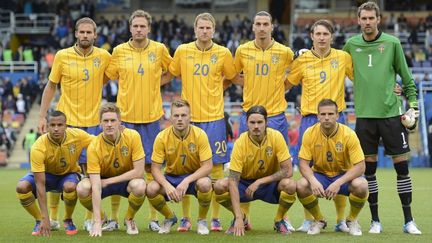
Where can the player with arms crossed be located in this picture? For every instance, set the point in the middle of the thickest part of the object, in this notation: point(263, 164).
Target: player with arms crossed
point(186, 151)
point(140, 65)
point(338, 166)
point(204, 66)
point(377, 58)
point(54, 166)
point(261, 169)
point(321, 72)
point(115, 167)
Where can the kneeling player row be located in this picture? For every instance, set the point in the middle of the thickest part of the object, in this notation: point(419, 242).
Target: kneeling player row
point(260, 169)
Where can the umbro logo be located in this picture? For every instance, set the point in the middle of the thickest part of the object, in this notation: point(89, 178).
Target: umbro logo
point(358, 50)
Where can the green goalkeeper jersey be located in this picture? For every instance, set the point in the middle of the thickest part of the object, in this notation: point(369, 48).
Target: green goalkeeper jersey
point(376, 64)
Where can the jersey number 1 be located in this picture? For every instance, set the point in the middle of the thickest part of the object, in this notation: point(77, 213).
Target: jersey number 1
point(370, 60)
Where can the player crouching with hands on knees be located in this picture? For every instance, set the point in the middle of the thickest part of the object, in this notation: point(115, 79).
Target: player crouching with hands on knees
point(338, 166)
point(260, 169)
point(115, 167)
point(186, 151)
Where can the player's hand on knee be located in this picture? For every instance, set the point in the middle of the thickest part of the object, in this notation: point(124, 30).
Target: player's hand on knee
point(172, 194)
point(182, 188)
point(317, 189)
point(332, 191)
point(250, 191)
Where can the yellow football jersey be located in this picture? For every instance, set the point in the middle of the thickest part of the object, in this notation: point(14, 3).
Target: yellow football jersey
point(81, 79)
point(202, 74)
point(182, 156)
point(321, 78)
point(334, 154)
point(265, 73)
point(112, 159)
point(256, 161)
point(139, 72)
point(59, 159)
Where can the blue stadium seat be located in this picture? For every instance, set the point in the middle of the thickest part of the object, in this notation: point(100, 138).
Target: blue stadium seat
point(426, 64)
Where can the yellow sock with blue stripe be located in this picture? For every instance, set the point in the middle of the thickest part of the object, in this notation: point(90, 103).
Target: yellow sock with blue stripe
point(186, 206)
point(311, 204)
point(28, 201)
point(53, 203)
point(285, 202)
point(160, 205)
point(225, 200)
point(87, 203)
point(357, 204)
point(115, 207)
point(69, 199)
point(152, 210)
point(340, 205)
point(204, 199)
point(135, 203)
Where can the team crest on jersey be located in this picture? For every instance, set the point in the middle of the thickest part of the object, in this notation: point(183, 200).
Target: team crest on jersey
point(171, 150)
point(96, 62)
point(334, 63)
point(72, 148)
point(213, 59)
point(339, 146)
point(269, 151)
point(275, 58)
point(381, 48)
point(192, 147)
point(152, 57)
point(124, 151)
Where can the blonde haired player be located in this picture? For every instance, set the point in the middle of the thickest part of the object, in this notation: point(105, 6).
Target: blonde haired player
point(185, 150)
point(204, 66)
point(115, 167)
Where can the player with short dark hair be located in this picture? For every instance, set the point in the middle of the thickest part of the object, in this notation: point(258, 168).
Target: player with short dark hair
point(378, 58)
point(54, 167)
point(338, 166)
point(321, 72)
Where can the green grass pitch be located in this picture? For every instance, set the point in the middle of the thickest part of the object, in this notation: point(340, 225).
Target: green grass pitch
point(16, 224)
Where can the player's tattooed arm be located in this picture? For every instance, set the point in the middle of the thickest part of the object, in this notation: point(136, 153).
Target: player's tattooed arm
point(234, 176)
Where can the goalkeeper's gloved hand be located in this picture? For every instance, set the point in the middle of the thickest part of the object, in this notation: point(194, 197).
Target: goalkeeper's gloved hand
point(410, 118)
point(300, 52)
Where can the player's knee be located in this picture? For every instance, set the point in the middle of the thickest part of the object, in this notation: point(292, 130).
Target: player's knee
point(83, 188)
point(152, 189)
point(69, 186)
point(23, 187)
point(402, 169)
point(287, 185)
point(302, 187)
point(221, 186)
point(359, 186)
point(137, 187)
point(204, 184)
